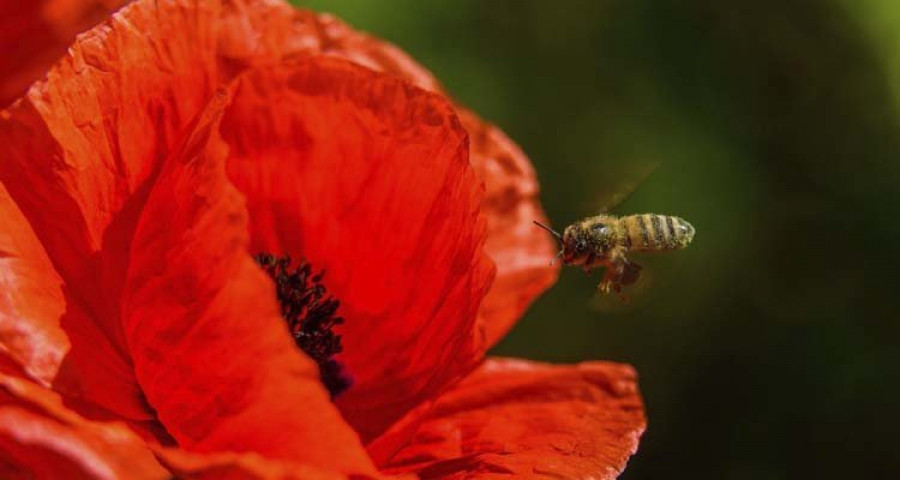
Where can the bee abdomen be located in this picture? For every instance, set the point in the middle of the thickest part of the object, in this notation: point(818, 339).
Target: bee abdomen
point(657, 232)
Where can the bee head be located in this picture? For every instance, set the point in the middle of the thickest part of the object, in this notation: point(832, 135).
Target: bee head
point(576, 245)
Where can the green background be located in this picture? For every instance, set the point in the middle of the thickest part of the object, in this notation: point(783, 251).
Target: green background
point(767, 350)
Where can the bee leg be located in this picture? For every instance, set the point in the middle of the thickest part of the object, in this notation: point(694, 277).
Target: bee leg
point(611, 281)
point(609, 284)
point(615, 273)
point(604, 287)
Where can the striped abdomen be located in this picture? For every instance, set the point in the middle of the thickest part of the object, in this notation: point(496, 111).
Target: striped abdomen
point(656, 232)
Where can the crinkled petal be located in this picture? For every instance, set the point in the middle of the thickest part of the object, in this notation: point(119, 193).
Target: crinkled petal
point(41, 438)
point(81, 148)
point(78, 155)
point(520, 419)
point(35, 33)
point(210, 348)
point(520, 251)
point(367, 177)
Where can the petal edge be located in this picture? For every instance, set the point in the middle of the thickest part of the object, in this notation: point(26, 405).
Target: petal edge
point(514, 418)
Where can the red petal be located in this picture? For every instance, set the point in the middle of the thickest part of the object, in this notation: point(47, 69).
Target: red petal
point(520, 251)
point(265, 32)
point(36, 320)
point(209, 346)
point(35, 33)
point(239, 466)
point(368, 178)
point(516, 419)
point(40, 438)
point(78, 155)
point(31, 299)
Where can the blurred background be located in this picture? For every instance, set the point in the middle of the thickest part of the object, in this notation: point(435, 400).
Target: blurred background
point(768, 349)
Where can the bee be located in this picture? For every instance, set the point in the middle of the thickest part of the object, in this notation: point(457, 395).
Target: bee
point(605, 240)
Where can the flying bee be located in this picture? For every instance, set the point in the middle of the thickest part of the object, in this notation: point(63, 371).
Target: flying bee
point(605, 240)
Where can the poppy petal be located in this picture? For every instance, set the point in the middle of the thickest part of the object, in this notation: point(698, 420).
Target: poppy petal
point(40, 438)
point(239, 466)
point(520, 251)
point(210, 348)
point(515, 419)
point(367, 177)
point(34, 34)
point(36, 320)
point(31, 299)
point(78, 155)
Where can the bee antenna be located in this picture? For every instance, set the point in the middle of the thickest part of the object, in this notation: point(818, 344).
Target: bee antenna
point(558, 239)
point(554, 232)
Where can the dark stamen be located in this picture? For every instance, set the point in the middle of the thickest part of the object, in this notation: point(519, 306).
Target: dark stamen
point(310, 314)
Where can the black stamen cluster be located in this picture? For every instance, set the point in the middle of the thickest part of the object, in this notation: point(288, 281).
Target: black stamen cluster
point(310, 313)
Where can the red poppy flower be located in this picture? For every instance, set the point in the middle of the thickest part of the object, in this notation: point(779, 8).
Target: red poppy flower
point(138, 335)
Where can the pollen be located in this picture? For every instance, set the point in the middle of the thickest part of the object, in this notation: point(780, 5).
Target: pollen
point(311, 315)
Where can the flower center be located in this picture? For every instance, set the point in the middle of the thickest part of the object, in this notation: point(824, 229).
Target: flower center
point(310, 314)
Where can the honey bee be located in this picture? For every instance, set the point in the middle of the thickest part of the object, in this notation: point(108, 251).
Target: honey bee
point(604, 240)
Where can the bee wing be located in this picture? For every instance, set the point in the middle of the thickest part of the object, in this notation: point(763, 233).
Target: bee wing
point(627, 182)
